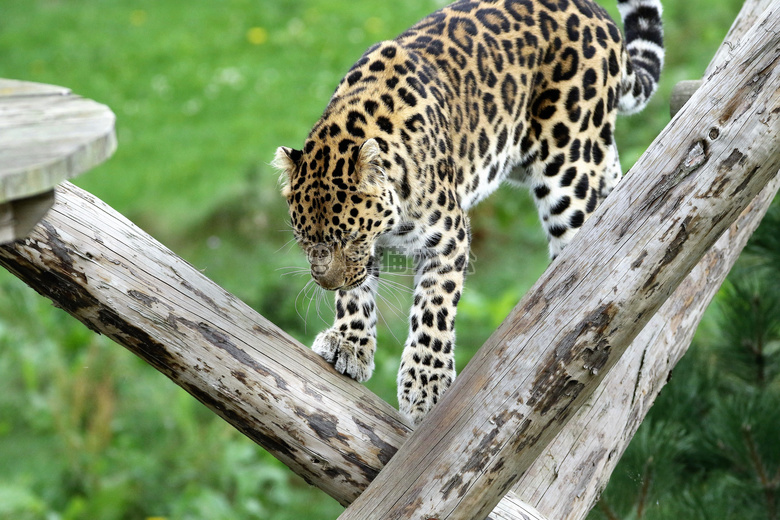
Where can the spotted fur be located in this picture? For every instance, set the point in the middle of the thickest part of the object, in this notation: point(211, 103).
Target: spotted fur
point(425, 126)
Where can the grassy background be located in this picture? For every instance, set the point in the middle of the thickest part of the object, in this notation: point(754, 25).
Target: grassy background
point(204, 92)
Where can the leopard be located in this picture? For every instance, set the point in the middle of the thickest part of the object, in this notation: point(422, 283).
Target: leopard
point(424, 126)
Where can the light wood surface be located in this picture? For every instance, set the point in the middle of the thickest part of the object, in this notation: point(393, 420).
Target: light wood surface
point(47, 135)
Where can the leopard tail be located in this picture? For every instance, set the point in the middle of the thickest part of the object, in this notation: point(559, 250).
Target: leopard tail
point(645, 53)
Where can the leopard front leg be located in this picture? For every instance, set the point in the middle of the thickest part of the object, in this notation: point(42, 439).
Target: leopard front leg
point(350, 344)
point(428, 362)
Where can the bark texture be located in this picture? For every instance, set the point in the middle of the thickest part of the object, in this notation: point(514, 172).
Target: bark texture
point(579, 462)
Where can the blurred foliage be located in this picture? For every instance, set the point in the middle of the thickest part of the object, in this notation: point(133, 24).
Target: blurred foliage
point(204, 92)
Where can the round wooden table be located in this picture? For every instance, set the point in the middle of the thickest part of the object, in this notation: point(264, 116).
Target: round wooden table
point(47, 135)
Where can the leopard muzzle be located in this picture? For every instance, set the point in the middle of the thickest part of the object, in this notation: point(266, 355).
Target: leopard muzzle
point(326, 268)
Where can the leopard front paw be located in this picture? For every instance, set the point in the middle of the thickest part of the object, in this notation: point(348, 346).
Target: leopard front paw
point(420, 389)
point(349, 355)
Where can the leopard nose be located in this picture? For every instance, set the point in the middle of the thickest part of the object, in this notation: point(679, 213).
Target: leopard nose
point(320, 257)
point(324, 270)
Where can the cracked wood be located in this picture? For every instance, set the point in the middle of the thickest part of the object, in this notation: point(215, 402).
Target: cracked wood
point(118, 281)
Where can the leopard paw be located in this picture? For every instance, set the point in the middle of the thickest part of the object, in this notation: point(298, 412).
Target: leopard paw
point(349, 355)
point(419, 390)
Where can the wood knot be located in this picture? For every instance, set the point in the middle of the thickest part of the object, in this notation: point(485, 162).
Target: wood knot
point(714, 133)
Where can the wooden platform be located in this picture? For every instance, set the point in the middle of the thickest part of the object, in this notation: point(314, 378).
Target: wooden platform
point(47, 135)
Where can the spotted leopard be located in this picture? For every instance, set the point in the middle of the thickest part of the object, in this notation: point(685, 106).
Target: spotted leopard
point(424, 126)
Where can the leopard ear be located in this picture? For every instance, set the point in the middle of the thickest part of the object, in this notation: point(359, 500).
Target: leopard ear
point(286, 161)
point(368, 167)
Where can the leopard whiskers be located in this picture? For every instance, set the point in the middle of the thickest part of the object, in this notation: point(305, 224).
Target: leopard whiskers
point(395, 285)
point(312, 295)
point(316, 296)
point(393, 306)
point(399, 292)
point(306, 292)
point(323, 298)
point(394, 299)
point(287, 246)
point(312, 300)
point(394, 292)
point(398, 313)
point(294, 271)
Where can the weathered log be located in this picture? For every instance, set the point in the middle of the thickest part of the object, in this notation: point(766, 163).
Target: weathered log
point(119, 281)
point(578, 463)
point(567, 479)
point(580, 317)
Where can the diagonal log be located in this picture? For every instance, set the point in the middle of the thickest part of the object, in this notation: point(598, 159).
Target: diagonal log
point(119, 281)
point(553, 350)
point(579, 462)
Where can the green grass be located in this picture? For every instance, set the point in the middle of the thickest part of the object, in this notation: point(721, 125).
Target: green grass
point(204, 92)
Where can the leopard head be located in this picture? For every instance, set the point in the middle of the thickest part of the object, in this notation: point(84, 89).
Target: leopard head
point(339, 204)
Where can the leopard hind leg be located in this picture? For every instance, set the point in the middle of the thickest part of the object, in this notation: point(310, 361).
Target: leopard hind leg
point(612, 173)
point(570, 182)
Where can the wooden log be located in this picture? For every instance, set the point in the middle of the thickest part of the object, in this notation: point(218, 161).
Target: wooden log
point(581, 316)
point(119, 281)
point(579, 462)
